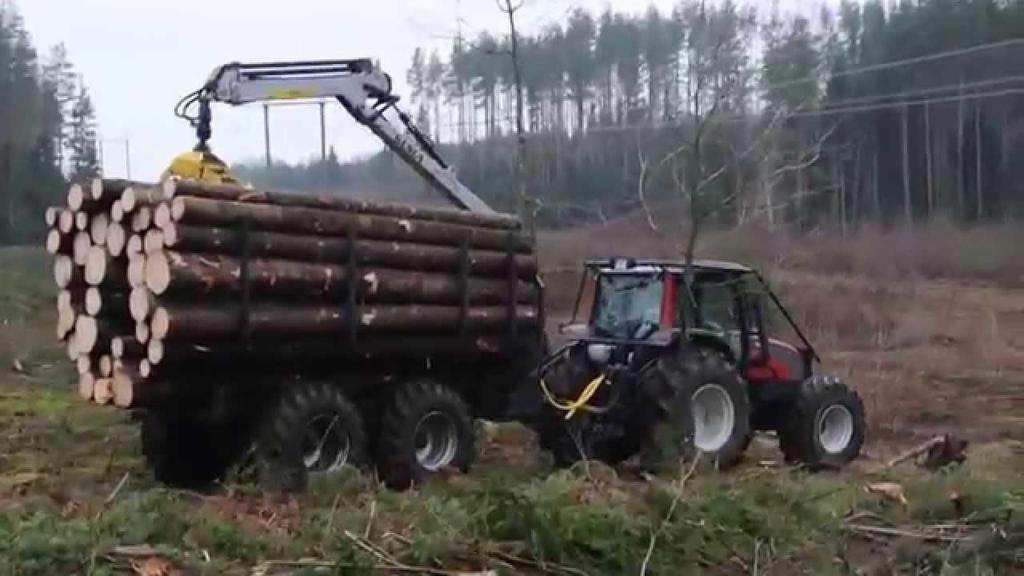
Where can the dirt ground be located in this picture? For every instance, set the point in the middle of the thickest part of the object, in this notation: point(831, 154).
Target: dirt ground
point(929, 355)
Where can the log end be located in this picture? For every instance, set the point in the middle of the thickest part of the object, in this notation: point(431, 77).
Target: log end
point(86, 385)
point(139, 303)
point(96, 265)
point(123, 389)
point(160, 325)
point(102, 393)
point(106, 366)
point(117, 211)
point(53, 241)
point(83, 364)
point(87, 333)
point(93, 301)
point(96, 188)
point(142, 332)
point(157, 274)
point(155, 351)
point(116, 239)
point(136, 270)
point(76, 196)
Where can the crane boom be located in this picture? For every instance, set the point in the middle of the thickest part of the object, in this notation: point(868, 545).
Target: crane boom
point(361, 88)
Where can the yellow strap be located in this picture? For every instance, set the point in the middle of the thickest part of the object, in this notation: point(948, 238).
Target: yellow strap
point(570, 408)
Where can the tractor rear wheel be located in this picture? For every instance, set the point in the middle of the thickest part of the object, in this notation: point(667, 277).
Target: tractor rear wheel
point(825, 426)
point(720, 406)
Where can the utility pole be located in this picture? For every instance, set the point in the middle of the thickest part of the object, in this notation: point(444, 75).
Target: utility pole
point(266, 133)
point(323, 134)
point(525, 208)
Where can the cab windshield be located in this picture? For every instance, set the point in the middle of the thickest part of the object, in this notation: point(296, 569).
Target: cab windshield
point(628, 306)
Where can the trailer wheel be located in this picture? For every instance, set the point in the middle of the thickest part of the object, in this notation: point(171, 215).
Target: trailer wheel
point(720, 406)
point(184, 451)
point(426, 428)
point(825, 426)
point(313, 429)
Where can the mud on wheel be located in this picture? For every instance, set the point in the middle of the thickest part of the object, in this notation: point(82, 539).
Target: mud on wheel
point(825, 426)
point(313, 429)
point(426, 428)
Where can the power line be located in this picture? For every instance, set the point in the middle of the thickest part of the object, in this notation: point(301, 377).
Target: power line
point(902, 63)
point(924, 91)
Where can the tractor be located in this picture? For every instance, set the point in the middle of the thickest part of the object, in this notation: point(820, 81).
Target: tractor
point(705, 350)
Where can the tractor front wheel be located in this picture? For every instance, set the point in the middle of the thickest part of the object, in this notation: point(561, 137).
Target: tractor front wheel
point(825, 426)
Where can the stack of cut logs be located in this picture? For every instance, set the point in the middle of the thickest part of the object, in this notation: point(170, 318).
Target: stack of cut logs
point(151, 276)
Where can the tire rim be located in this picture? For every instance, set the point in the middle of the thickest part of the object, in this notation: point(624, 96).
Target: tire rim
point(835, 428)
point(326, 444)
point(436, 441)
point(714, 417)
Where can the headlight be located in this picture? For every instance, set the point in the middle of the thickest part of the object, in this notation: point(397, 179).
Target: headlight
point(599, 353)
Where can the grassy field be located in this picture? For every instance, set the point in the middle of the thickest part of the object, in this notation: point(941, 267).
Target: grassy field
point(932, 349)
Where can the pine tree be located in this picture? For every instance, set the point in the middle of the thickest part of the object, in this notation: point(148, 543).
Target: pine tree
point(82, 142)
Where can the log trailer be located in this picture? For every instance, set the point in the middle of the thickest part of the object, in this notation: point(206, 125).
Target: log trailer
point(289, 335)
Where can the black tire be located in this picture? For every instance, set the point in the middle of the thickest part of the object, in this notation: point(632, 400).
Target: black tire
point(185, 452)
point(426, 428)
point(660, 426)
point(312, 429)
point(823, 399)
point(708, 373)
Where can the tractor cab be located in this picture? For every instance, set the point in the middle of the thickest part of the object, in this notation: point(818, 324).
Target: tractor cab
point(721, 304)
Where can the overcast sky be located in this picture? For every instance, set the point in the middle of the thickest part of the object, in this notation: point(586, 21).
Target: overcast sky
point(138, 57)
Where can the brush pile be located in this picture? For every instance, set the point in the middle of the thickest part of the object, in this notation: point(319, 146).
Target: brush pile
point(153, 278)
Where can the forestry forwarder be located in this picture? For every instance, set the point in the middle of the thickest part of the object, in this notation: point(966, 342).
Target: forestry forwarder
point(412, 414)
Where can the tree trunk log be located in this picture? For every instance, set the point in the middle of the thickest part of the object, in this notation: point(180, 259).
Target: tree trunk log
point(66, 221)
point(86, 386)
point(59, 243)
point(99, 227)
point(142, 219)
point(116, 239)
point(401, 255)
point(117, 212)
point(174, 188)
point(102, 269)
point(67, 274)
point(202, 211)
point(183, 322)
point(102, 393)
point(140, 303)
point(110, 304)
point(202, 274)
point(80, 248)
point(141, 195)
point(136, 272)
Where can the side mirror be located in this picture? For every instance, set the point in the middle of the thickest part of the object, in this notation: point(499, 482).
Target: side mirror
point(574, 331)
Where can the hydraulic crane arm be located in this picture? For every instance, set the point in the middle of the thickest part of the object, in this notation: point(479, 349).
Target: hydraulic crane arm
point(361, 88)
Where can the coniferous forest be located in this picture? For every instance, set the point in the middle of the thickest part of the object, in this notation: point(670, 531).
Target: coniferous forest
point(889, 113)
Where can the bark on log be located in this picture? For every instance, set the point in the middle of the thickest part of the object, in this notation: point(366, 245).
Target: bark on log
point(202, 211)
point(102, 269)
point(401, 255)
point(86, 386)
point(205, 274)
point(99, 226)
point(311, 350)
point(58, 242)
point(67, 274)
point(80, 248)
point(116, 239)
point(182, 322)
point(141, 195)
point(173, 188)
point(66, 221)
